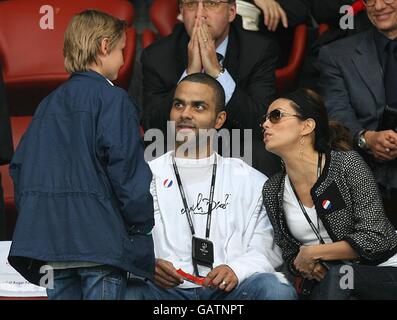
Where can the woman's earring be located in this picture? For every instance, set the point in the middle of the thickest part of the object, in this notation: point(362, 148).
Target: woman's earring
point(301, 142)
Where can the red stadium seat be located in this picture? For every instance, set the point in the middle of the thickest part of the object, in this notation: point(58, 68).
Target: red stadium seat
point(163, 14)
point(323, 28)
point(18, 126)
point(32, 57)
point(287, 76)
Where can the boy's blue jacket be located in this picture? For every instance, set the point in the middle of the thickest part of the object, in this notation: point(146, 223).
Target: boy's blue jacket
point(81, 182)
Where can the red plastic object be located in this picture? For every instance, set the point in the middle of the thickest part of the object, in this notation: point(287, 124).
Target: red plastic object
point(191, 278)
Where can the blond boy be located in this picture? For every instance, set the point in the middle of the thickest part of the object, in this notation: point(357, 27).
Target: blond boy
point(81, 182)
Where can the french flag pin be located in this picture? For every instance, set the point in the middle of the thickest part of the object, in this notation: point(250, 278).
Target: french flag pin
point(167, 183)
point(327, 204)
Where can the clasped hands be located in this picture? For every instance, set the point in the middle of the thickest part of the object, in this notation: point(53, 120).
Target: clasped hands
point(202, 50)
point(383, 144)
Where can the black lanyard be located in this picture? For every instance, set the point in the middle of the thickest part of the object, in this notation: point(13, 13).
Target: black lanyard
point(183, 196)
point(315, 230)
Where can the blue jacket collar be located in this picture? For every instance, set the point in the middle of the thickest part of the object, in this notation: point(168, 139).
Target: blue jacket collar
point(90, 74)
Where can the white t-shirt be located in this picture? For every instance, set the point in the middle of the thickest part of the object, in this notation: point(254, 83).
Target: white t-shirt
point(300, 228)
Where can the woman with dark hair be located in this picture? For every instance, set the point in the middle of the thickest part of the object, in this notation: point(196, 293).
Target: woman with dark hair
point(325, 207)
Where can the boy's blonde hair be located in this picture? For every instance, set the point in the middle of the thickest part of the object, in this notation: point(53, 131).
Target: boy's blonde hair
point(84, 35)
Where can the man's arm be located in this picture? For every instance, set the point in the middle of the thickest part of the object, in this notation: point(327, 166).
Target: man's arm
point(261, 255)
point(336, 96)
point(165, 274)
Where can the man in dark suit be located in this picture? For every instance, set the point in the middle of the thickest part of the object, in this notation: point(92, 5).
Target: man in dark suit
point(211, 41)
point(359, 79)
point(6, 148)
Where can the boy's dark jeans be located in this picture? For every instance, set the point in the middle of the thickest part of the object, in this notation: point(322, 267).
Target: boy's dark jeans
point(91, 283)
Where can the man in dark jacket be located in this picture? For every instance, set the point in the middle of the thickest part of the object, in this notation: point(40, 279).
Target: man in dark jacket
point(359, 83)
point(6, 148)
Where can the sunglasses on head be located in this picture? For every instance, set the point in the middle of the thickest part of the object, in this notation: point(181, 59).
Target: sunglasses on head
point(275, 115)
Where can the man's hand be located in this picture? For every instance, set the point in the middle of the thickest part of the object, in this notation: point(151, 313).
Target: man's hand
point(165, 275)
point(207, 50)
point(222, 277)
point(383, 144)
point(193, 49)
point(272, 14)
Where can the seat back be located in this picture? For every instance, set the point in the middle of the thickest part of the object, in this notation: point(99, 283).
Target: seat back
point(31, 45)
point(163, 14)
point(287, 76)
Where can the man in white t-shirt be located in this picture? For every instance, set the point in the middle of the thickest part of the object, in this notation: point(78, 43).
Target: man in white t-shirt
point(227, 247)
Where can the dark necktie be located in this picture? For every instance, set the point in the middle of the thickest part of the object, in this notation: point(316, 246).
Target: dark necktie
point(391, 75)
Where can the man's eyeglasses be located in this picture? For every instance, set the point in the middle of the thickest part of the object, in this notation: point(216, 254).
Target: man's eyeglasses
point(275, 116)
point(370, 3)
point(207, 4)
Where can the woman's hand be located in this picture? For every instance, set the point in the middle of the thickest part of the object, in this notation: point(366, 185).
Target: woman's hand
point(272, 14)
point(305, 262)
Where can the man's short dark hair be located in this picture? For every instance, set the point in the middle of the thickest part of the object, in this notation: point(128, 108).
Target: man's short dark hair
point(216, 87)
